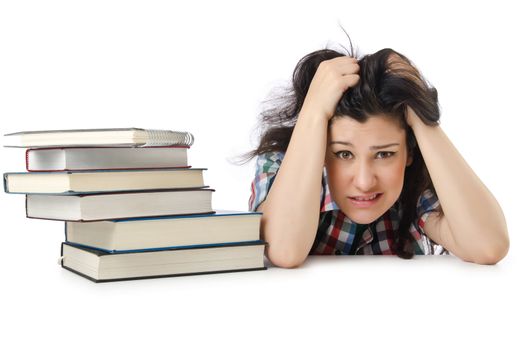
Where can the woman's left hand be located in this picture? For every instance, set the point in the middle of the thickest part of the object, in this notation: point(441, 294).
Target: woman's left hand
point(411, 117)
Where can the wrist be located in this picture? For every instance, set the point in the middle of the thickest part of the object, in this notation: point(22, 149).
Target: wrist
point(314, 116)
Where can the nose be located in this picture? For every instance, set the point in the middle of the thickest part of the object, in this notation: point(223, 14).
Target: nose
point(364, 177)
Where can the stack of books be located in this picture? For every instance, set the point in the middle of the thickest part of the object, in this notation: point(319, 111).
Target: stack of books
point(132, 206)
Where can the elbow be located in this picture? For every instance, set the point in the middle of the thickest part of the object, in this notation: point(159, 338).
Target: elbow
point(285, 258)
point(286, 249)
point(494, 253)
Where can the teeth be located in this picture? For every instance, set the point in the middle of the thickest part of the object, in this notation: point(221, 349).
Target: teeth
point(365, 198)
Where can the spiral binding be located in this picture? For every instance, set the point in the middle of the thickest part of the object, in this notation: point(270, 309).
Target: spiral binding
point(165, 137)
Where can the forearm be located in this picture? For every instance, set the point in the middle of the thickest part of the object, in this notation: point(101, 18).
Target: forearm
point(291, 209)
point(474, 216)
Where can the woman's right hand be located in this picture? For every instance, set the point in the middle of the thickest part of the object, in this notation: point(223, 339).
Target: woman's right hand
point(331, 80)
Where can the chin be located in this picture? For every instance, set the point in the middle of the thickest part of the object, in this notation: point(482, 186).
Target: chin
point(366, 216)
point(362, 219)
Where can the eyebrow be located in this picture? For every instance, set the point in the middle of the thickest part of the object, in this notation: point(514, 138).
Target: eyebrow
point(376, 147)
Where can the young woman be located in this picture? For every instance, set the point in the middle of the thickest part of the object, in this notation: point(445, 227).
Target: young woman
point(353, 161)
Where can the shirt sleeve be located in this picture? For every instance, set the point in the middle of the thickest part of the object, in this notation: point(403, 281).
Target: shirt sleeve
point(427, 204)
point(267, 166)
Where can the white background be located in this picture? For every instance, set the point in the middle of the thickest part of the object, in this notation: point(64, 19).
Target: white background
point(206, 68)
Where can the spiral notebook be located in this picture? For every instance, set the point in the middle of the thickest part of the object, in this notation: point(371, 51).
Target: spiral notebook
point(125, 137)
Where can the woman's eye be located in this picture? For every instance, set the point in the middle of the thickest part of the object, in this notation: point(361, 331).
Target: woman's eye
point(344, 154)
point(383, 155)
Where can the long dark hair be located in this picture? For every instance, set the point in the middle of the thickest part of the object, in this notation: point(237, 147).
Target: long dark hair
point(389, 82)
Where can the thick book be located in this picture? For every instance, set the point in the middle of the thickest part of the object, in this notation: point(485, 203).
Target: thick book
point(118, 205)
point(102, 181)
point(163, 232)
point(134, 137)
point(99, 266)
point(95, 158)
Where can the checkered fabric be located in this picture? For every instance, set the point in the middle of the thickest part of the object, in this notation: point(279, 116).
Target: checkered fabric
point(336, 233)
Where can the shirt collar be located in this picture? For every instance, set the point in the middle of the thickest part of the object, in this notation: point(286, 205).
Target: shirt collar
point(328, 203)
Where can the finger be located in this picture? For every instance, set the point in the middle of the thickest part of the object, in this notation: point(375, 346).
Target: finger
point(348, 68)
point(344, 59)
point(345, 65)
point(349, 81)
point(340, 66)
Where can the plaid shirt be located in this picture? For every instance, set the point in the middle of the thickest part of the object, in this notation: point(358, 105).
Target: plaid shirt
point(337, 234)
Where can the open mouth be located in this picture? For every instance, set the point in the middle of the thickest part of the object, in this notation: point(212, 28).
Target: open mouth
point(368, 198)
point(365, 201)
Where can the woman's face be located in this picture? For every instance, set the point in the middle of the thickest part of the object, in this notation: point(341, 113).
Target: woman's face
point(366, 163)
